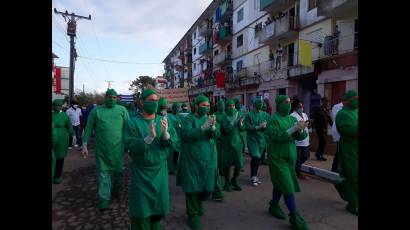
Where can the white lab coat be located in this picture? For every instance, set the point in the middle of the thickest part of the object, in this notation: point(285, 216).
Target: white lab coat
point(335, 134)
point(305, 142)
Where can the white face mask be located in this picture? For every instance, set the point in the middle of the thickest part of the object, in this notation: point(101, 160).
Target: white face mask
point(75, 106)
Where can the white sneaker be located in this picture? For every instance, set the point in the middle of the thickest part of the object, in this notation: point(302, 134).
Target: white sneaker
point(258, 180)
point(76, 145)
point(69, 147)
point(254, 181)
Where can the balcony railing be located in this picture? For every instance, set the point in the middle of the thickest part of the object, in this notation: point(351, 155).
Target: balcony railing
point(205, 31)
point(226, 11)
point(222, 58)
point(274, 6)
point(206, 47)
point(336, 8)
point(224, 35)
point(283, 28)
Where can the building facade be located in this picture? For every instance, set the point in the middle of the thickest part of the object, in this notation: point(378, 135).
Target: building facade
point(261, 48)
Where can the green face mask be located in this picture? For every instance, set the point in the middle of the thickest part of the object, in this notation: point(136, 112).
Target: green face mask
point(57, 108)
point(230, 111)
point(110, 102)
point(259, 105)
point(220, 108)
point(150, 107)
point(354, 103)
point(203, 110)
point(284, 108)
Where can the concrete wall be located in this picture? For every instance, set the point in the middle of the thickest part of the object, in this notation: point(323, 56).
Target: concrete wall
point(307, 17)
point(317, 34)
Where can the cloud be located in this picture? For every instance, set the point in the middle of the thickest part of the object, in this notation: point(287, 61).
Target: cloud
point(159, 23)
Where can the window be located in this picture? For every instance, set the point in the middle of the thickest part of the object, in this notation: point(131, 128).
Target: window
point(239, 41)
point(194, 35)
point(282, 91)
point(240, 15)
point(194, 66)
point(312, 4)
point(194, 51)
point(239, 65)
point(216, 52)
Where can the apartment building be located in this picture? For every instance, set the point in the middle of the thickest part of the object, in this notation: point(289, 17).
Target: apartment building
point(261, 48)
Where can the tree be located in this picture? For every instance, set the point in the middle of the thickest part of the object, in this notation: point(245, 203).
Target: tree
point(141, 83)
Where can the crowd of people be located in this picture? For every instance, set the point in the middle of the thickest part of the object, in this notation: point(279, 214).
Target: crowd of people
point(201, 147)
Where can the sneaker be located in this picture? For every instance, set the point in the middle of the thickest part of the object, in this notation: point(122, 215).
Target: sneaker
point(76, 145)
point(254, 181)
point(258, 180)
point(70, 147)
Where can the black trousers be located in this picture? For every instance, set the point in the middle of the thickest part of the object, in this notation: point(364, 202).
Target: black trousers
point(59, 168)
point(77, 130)
point(322, 141)
point(255, 162)
point(335, 163)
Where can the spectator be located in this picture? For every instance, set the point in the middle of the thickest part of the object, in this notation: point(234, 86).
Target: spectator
point(279, 54)
point(74, 113)
point(302, 146)
point(321, 119)
point(271, 58)
point(336, 35)
point(335, 134)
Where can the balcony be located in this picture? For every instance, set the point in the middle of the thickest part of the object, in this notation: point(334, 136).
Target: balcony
point(275, 6)
point(336, 8)
point(246, 78)
point(226, 12)
point(224, 35)
point(222, 59)
point(282, 30)
point(206, 48)
point(205, 31)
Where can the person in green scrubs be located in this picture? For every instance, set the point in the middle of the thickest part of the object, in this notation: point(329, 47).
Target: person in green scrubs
point(197, 169)
point(282, 132)
point(149, 138)
point(108, 121)
point(347, 126)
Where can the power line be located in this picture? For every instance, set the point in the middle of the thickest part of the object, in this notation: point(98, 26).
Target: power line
point(119, 62)
point(62, 47)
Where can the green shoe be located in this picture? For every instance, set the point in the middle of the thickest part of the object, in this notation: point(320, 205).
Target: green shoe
point(57, 180)
point(352, 209)
point(297, 222)
point(235, 185)
point(276, 211)
point(104, 204)
point(194, 222)
point(227, 187)
point(217, 196)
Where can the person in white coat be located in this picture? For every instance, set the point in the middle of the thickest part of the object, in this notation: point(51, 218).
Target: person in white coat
point(335, 135)
point(303, 152)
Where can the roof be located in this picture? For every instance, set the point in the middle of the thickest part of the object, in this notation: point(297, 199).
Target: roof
point(206, 14)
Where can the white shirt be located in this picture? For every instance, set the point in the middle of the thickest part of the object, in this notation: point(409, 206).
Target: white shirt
point(74, 115)
point(305, 142)
point(335, 133)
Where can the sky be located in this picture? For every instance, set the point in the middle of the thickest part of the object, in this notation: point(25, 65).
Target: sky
point(141, 32)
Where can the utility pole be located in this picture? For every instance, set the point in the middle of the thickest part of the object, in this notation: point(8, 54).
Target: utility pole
point(71, 31)
point(83, 90)
point(109, 84)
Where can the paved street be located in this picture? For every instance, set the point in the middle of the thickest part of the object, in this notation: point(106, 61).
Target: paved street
point(75, 203)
